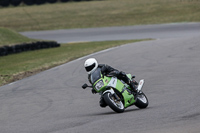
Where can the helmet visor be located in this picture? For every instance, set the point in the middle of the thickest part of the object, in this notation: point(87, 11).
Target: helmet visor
point(89, 68)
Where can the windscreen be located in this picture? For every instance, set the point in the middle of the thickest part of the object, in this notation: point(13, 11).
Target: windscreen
point(95, 75)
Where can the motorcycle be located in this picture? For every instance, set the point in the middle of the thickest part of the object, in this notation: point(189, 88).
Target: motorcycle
point(116, 93)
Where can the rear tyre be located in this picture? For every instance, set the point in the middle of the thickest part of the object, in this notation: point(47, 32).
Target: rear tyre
point(142, 101)
point(115, 105)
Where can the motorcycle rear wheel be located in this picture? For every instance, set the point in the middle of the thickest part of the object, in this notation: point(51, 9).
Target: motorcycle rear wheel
point(115, 105)
point(142, 101)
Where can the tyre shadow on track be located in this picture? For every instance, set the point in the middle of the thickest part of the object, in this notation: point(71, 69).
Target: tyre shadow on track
point(112, 112)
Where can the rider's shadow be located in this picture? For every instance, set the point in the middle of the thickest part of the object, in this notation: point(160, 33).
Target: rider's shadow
point(114, 113)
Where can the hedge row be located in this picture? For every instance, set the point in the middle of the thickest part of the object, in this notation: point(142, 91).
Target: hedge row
point(6, 3)
point(5, 50)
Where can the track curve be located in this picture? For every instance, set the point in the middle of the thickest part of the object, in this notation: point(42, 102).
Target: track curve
point(160, 31)
point(53, 101)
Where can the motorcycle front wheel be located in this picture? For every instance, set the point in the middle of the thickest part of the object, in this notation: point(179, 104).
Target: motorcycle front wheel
point(113, 103)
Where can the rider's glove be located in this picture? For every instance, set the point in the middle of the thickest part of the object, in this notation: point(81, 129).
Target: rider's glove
point(93, 91)
point(122, 73)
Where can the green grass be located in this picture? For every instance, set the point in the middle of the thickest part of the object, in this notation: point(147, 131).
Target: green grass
point(10, 37)
point(99, 14)
point(17, 66)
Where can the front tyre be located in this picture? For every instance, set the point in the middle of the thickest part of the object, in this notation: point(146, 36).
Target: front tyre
point(112, 102)
point(142, 101)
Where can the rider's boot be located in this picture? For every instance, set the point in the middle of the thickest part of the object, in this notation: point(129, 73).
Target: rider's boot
point(136, 83)
point(132, 83)
point(102, 103)
point(133, 86)
point(134, 89)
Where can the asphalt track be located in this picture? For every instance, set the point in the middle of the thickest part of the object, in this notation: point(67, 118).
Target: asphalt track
point(161, 31)
point(54, 102)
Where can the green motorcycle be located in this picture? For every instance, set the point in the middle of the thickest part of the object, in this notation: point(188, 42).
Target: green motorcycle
point(117, 94)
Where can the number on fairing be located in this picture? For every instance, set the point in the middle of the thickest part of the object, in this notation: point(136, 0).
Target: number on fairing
point(113, 82)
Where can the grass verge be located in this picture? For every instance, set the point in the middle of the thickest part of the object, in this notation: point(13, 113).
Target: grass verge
point(10, 37)
point(18, 66)
point(99, 14)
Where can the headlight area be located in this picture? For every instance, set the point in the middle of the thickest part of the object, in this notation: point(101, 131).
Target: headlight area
point(99, 84)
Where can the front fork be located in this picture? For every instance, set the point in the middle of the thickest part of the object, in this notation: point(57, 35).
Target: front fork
point(102, 103)
point(113, 94)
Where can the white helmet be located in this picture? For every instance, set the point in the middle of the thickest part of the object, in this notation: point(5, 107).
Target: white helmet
point(91, 65)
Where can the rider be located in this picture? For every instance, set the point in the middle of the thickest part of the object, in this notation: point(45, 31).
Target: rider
point(91, 65)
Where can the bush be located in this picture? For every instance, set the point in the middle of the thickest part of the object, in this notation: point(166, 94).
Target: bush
point(15, 2)
point(4, 3)
point(52, 1)
point(64, 0)
point(29, 2)
point(39, 2)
